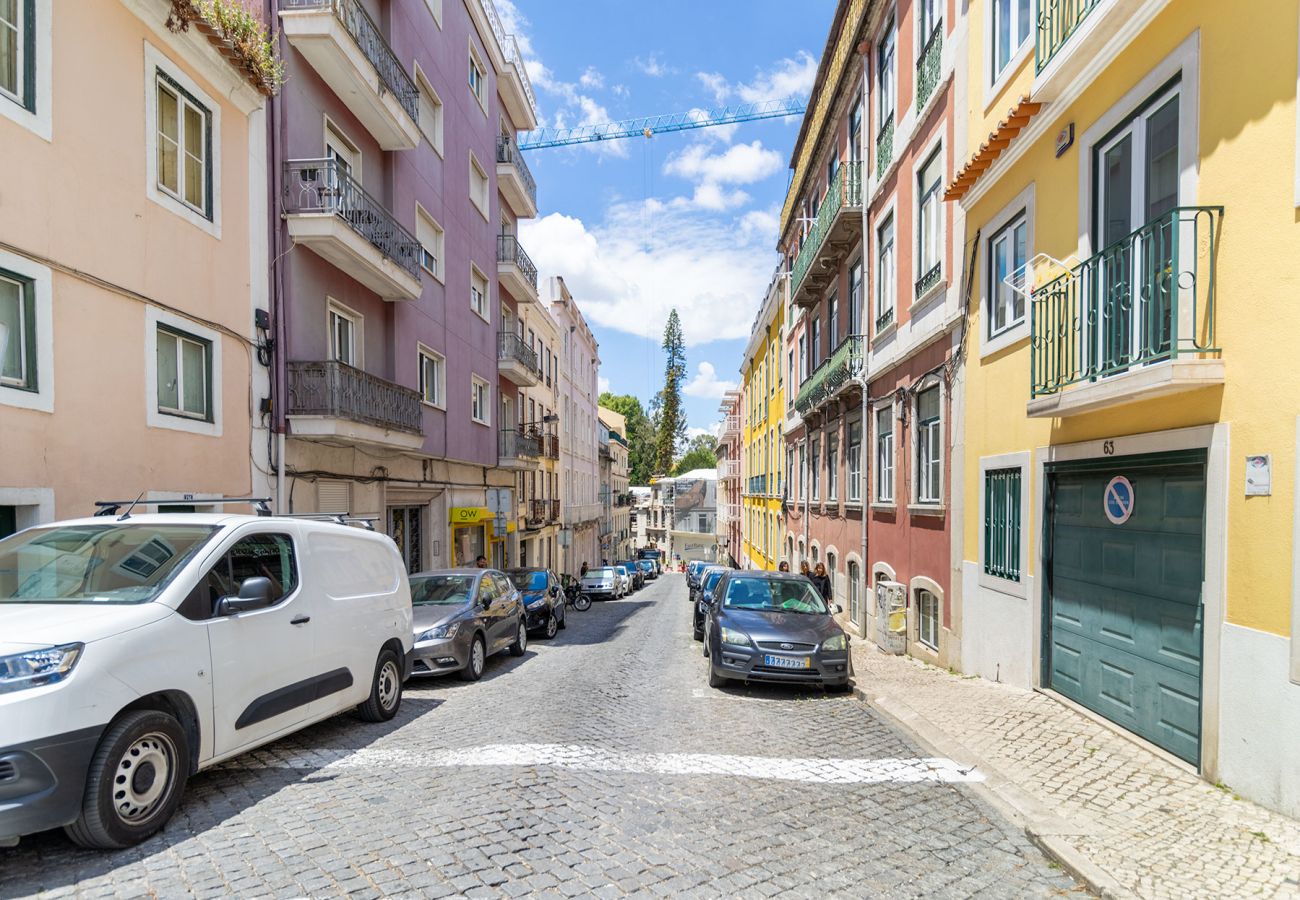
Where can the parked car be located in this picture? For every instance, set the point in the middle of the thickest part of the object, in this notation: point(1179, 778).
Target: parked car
point(602, 583)
point(693, 569)
point(634, 572)
point(708, 580)
point(625, 577)
point(138, 650)
point(463, 616)
point(542, 597)
point(774, 626)
point(648, 568)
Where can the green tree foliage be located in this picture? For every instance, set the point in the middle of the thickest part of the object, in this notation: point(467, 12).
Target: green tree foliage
point(640, 435)
point(701, 453)
point(672, 418)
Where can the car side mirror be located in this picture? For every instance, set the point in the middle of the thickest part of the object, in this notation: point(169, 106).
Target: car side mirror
point(555, 592)
point(254, 593)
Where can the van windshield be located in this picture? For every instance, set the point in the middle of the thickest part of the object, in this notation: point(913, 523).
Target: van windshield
point(441, 590)
point(110, 563)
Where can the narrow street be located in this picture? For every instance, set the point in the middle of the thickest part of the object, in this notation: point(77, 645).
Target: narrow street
point(599, 763)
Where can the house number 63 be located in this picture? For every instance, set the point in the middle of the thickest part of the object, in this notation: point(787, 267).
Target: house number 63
point(1108, 448)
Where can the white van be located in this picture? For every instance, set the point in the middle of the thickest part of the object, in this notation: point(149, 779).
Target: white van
point(135, 651)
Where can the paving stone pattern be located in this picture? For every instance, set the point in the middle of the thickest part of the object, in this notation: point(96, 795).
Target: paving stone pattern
point(444, 802)
point(1153, 827)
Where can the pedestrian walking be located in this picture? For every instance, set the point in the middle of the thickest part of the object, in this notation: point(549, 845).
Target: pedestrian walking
point(583, 571)
point(822, 582)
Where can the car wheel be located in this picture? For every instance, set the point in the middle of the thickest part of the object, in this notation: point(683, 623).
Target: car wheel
point(715, 680)
point(385, 689)
point(552, 625)
point(473, 670)
point(135, 781)
point(521, 640)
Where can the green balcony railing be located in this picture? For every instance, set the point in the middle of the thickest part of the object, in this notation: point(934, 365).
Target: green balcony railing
point(885, 146)
point(1057, 20)
point(831, 375)
point(1146, 298)
point(927, 67)
point(845, 192)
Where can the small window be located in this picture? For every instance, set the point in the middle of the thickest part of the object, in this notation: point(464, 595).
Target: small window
point(477, 78)
point(929, 452)
point(815, 471)
point(927, 619)
point(1007, 251)
point(344, 336)
point(929, 223)
point(855, 592)
point(18, 318)
point(833, 321)
point(886, 274)
point(1011, 19)
point(885, 454)
point(1002, 523)
point(854, 462)
point(478, 407)
point(832, 467)
point(184, 375)
point(432, 243)
point(478, 289)
point(184, 146)
point(433, 369)
point(430, 111)
point(478, 186)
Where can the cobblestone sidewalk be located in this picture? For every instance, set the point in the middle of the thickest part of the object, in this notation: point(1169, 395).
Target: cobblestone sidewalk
point(1126, 821)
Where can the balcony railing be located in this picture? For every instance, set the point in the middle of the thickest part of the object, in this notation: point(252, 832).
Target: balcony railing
point(551, 446)
point(845, 191)
point(927, 67)
point(510, 252)
point(536, 512)
point(552, 511)
point(885, 146)
point(512, 346)
point(842, 365)
point(517, 444)
point(324, 186)
point(358, 24)
point(729, 468)
point(337, 390)
point(510, 49)
point(508, 153)
point(928, 280)
point(1147, 298)
point(731, 425)
point(1057, 20)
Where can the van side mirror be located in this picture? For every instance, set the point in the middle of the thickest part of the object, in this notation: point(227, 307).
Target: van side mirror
point(254, 593)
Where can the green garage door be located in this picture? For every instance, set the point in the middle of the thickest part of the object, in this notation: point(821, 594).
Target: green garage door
point(1123, 592)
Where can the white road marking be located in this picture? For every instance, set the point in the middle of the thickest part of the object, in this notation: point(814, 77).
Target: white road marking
point(581, 757)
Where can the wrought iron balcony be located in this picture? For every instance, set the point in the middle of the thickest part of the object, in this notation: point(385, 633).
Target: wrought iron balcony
point(365, 92)
point(520, 99)
point(1144, 300)
point(516, 268)
point(516, 180)
point(536, 512)
point(838, 216)
point(551, 446)
point(516, 360)
point(884, 320)
point(885, 146)
point(516, 448)
point(1057, 20)
point(927, 281)
point(322, 188)
point(842, 366)
point(553, 511)
point(928, 67)
point(336, 390)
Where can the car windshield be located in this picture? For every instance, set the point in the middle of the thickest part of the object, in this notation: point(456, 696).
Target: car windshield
point(111, 563)
point(711, 579)
point(441, 590)
point(599, 573)
point(529, 581)
point(774, 595)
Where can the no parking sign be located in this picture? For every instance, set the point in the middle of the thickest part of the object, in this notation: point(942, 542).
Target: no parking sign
point(1118, 501)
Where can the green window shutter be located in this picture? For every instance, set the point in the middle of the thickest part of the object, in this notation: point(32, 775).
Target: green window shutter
point(1002, 523)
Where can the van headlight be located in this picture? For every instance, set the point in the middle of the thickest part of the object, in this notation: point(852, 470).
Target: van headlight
point(35, 668)
point(442, 632)
point(838, 642)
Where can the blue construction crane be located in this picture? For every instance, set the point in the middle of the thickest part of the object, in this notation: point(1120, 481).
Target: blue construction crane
point(652, 125)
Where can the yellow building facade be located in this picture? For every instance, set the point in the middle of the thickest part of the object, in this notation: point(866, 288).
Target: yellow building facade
point(762, 434)
point(1127, 460)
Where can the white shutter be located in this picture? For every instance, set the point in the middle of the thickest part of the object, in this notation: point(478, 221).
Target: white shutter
point(333, 496)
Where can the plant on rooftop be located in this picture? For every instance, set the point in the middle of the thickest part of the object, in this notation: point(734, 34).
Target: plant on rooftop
point(241, 36)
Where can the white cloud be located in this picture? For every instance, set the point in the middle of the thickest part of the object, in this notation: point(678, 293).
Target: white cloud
point(706, 383)
point(714, 172)
point(644, 259)
point(788, 77)
point(716, 84)
point(652, 66)
point(592, 78)
point(712, 431)
point(761, 224)
point(602, 384)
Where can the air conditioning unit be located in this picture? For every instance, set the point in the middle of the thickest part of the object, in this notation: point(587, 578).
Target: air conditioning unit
point(891, 616)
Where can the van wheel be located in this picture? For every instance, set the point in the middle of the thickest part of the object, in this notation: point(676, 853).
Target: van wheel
point(385, 690)
point(135, 781)
point(521, 640)
point(473, 670)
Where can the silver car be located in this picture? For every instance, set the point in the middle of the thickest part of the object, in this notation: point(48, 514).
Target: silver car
point(463, 616)
point(602, 583)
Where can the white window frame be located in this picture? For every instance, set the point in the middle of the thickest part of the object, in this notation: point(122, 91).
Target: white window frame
point(37, 35)
point(335, 142)
point(481, 309)
point(432, 131)
point(22, 30)
point(883, 116)
point(438, 238)
point(40, 283)
point(334, 308)
point(853, 463)
point(435, 9)
point(1002, 298)
point(484, 416)
point(922, 618)
point(440, 386)
point(815, 467)
point(997, 78)
point(477, 175)
point(154, 63)
point(182, 338)
point(480, 93)
point(881, 469)
point(832, 465)
point(927, 504)
point(1022, 204)
point(935, 151)
point(922, 35)
point(154, 418)
point(1021, 461)
point(886, 276)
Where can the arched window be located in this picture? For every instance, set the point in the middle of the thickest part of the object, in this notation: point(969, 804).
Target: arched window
point(830, 569)
point(855, 592)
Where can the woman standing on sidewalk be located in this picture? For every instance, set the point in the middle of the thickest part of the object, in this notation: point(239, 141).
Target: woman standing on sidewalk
point(822, 582)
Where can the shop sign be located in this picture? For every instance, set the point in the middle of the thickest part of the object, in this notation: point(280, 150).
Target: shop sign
point(470, 515)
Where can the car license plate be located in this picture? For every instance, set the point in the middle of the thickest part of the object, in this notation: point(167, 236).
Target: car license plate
point(786, 662)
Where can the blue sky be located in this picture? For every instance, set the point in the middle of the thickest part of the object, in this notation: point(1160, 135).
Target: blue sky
point(688, 219)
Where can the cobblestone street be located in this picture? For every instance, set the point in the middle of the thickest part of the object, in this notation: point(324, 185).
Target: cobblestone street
point(597, 764)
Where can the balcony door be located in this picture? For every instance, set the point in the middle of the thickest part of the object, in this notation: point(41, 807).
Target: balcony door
point(1132, 301)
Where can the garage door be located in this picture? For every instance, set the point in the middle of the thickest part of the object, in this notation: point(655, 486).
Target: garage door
point(1123, 592)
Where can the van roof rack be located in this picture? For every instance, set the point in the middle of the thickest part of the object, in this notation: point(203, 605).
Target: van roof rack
point(366, 522)
point(262, 505)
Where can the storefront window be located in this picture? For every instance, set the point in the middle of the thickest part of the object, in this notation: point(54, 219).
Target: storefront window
point(468, 543)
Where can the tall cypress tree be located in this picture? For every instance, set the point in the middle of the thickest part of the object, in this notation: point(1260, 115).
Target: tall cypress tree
point(672, 420)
